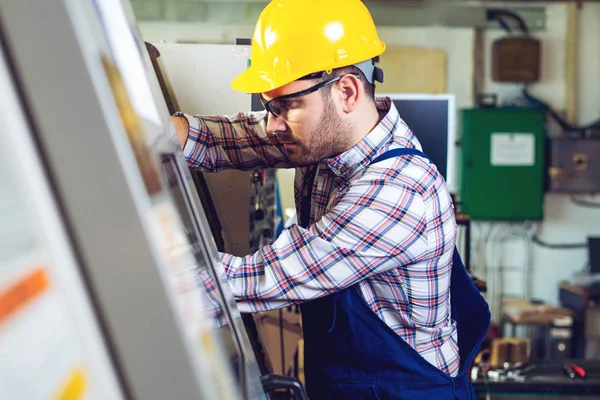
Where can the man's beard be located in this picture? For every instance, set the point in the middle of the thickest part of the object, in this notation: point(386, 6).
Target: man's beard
point(330, 137)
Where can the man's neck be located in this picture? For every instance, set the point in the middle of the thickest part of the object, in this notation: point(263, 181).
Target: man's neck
point(366, 121)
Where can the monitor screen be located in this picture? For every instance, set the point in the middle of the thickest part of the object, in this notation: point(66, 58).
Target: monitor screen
point(431, 117)
point(594, 254)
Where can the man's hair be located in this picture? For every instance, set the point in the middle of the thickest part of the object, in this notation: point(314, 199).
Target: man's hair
point(368, 87)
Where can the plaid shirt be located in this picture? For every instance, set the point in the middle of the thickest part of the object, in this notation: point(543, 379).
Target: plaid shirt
point(386, 228)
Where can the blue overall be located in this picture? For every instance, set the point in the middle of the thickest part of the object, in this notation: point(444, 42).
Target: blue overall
point(350, 353)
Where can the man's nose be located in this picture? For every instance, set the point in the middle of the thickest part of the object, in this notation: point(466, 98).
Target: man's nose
point(275, 124)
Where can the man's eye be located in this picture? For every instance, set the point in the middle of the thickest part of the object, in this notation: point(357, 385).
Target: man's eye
point(290, 104)
point(283, 104)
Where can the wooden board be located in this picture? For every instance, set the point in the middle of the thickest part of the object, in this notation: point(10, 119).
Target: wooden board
point(413, 70)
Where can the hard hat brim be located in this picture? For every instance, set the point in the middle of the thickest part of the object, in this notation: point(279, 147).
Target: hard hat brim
point(255, 81)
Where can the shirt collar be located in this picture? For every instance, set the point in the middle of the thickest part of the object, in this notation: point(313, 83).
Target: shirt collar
point(390, 130)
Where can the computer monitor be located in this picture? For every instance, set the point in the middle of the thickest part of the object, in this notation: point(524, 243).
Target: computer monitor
point(431, 117)
point(594, 254)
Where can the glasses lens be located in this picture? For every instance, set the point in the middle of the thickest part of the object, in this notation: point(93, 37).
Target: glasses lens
point(270, 107)
point(273, 109)
point(275, 106)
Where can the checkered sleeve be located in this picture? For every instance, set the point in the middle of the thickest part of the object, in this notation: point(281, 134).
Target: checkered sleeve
point(375, 226)
point(213, 306)
point(240, 141)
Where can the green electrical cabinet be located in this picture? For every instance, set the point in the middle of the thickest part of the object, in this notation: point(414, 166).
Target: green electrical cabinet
point(503, 163)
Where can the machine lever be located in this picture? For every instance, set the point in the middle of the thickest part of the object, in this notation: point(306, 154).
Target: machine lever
point(272, 382)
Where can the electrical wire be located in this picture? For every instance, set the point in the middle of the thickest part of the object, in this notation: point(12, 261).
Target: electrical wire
point(510, 233)
point(490, 239)
point(521, 231)
point(584, 203)
point(589, 130)
point(584, 130)
point(500, 21)
point(498, 15)
point(478, 264)
point(555, 246)
point(500, 267)
point(529, 274)
point(495, 284)
point(478, 254)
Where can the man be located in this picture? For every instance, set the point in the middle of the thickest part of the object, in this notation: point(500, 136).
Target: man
point(371, 259)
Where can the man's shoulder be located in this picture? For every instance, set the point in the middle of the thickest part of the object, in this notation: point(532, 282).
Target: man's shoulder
point(412, 171)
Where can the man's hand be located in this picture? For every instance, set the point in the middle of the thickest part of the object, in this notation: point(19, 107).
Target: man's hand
point(181, 128)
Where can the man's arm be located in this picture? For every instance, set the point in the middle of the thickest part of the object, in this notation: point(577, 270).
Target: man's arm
point(214, 143)
point(182, 128)
point(375, 227)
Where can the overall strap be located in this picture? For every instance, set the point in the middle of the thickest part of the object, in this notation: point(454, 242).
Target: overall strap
point(399, 152)
point(469, 308)
point(305, 202)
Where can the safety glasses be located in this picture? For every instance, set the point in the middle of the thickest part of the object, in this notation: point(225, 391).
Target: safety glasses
point(279, 104)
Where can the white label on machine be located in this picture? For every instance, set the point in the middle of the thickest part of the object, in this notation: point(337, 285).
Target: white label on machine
point(513, 149)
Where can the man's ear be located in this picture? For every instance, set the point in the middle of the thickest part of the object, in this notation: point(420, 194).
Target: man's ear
point(349, 90)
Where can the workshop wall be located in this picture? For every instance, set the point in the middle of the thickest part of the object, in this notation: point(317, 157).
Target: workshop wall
point(564, 222)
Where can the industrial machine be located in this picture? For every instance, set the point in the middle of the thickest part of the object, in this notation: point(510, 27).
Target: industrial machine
point(246, 214)
point(109, 285)
point(51, 339)
point(244, 200)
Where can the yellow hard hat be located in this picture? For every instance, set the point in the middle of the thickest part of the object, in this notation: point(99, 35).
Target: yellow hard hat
point(294, 38)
